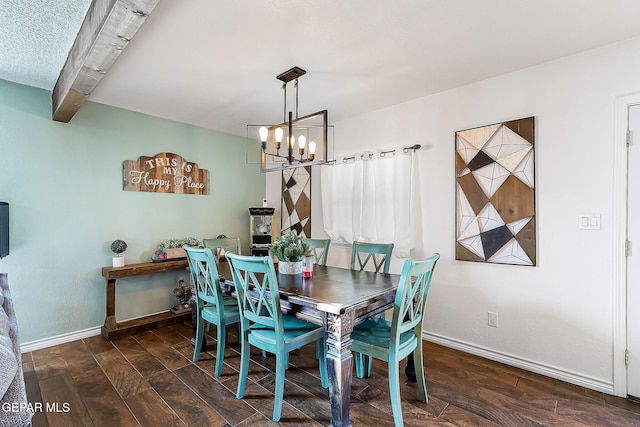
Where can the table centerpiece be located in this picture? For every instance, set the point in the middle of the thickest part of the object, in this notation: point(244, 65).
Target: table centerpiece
point(289, 249)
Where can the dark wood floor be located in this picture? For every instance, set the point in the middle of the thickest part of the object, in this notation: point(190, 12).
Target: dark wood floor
point(149, 380)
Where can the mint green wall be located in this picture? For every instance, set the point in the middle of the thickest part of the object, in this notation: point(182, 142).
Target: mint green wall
point(64, 186)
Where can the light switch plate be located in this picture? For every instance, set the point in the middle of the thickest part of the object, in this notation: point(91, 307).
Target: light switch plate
point(589, 221)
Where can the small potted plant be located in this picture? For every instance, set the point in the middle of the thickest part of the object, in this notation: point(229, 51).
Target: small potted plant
point(289, 249)
point(118, 247)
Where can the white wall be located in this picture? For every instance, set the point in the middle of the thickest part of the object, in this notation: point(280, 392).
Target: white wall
point(557, 317)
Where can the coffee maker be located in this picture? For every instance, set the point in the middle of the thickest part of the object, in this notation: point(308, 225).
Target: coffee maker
point(261, 230)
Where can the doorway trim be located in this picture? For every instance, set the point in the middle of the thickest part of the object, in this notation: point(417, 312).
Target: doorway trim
point(621, 121)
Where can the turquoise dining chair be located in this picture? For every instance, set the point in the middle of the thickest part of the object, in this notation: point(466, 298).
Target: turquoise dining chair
point(378, 253)
point(395, 340)
point(221, 245)
point(263, 325)
point(319, 249)
point(214, 306)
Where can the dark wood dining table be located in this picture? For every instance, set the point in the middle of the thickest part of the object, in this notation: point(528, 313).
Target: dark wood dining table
point(338, 299)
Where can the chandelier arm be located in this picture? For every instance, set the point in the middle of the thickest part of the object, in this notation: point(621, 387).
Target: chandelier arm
point(293, 160)
point(284, 112)
point(296, 84)
point(276, 155)
point(290, 140)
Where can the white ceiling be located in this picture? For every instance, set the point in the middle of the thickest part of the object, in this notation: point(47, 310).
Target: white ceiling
point(213, 63)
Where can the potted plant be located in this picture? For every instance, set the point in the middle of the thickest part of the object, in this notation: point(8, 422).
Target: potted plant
point(289, 249)
point(118, 247)
point(172, 248)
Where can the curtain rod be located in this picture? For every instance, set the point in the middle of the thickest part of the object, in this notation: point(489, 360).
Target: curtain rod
point(383, 153)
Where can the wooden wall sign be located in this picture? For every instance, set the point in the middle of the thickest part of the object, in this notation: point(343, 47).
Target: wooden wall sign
point(164, 173)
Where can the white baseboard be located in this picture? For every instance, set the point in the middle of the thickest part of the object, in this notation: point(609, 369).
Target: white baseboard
point(60, 339)
point(70, 336)
point(518, 362)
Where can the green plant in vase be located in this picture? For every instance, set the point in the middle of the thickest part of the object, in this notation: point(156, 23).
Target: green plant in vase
point(118, 247)
point(289, 249)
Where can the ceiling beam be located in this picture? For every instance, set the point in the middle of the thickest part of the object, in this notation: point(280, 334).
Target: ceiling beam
point(107, 29)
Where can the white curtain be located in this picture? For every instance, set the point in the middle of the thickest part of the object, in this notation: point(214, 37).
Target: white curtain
point(369, 199)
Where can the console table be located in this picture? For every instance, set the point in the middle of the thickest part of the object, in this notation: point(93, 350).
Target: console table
point(113, 329)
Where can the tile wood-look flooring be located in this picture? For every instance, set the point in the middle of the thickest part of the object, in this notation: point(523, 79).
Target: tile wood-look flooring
point(149, 380)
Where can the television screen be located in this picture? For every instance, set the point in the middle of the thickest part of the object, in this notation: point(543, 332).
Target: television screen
point(4, 229)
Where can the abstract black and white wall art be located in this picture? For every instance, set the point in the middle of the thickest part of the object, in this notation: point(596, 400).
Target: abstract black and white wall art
point(495, 193)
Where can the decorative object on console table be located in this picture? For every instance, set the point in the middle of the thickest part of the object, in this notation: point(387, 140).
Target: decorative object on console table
point(173, 253)
point(172, 249)
point(289, 249)
point(118, 247)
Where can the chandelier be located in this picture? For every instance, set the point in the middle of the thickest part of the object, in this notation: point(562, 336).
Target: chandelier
point(296, 142)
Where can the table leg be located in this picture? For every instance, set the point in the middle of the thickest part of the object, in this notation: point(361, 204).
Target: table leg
point(410, 369)
point(193, 305)
point(339, 367)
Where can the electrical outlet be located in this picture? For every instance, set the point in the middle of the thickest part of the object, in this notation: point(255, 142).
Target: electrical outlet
point(492, 319)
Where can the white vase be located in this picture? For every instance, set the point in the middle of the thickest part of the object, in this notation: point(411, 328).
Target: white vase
point(118, 261)
point(285, 267)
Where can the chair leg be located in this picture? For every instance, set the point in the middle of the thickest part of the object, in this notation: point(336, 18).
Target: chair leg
point(369, 365)
point(199, 337)
point(244, 365)
point(364, 365)
point(279, 392)
point(222, 343)
point(359, 365)
point(394, 390)
point(419, 368)
point(321, 347)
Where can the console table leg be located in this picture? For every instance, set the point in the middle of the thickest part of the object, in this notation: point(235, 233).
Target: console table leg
point(110, 322)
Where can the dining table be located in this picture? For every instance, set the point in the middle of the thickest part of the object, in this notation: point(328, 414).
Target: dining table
point(338, 299)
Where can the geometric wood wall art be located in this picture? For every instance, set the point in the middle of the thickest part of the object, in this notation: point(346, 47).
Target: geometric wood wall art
point(296, 201)
point(495, 193)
